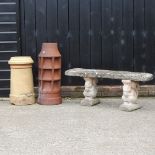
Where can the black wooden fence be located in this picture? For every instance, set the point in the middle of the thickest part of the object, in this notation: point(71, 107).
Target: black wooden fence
point(105, 34)
point(9, 37)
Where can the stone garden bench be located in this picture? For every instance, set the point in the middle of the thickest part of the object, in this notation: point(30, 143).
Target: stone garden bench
point(129, 79)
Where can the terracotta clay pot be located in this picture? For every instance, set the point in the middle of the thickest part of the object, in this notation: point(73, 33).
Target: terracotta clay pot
point(49, 75)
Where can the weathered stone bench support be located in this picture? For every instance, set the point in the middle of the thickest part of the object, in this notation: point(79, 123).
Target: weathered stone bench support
point(90, 92)
point(130, 96)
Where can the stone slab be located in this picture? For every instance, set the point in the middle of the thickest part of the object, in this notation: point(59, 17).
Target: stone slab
point(97, 73)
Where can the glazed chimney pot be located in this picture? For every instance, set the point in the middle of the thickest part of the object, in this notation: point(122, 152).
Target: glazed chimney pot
point(21, 88)
point(49, 75)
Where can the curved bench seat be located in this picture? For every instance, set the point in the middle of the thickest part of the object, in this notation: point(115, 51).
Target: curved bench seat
point(97, 73)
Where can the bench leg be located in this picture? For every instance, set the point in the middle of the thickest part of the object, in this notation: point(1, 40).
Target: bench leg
point(130, 95)
point(90, 92)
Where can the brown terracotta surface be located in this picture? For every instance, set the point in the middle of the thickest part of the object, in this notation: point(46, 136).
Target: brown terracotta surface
point(49, 75)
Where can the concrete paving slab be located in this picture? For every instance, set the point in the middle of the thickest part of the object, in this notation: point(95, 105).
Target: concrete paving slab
point(71, 129)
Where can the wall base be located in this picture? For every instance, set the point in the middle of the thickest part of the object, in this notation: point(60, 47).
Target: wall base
point(106, 91)
point(103, 91)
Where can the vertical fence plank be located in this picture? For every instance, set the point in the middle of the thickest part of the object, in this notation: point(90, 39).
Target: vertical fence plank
point(96, 55)
point(74, 32)
point(18, 29)
point(52, 15)
point(126, 41)
point(41, 32)
point(107, 39)
point(63, 38)
point(30, 33)
point(73, 36)
point(40, 29)
point(22, 27)
point(85, 33)
point(150, 36)
point(139, 37)
point(30, 28)
point(116, 31)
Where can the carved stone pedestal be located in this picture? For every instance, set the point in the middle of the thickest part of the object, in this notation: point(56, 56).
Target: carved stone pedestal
point(130, 95)
point(90, 92)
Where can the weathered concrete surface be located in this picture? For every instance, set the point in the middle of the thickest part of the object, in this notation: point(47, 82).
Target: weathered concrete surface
point(71, 129)
point(96, 73)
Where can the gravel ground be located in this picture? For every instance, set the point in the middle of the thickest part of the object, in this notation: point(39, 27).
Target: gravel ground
point(71, 129)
